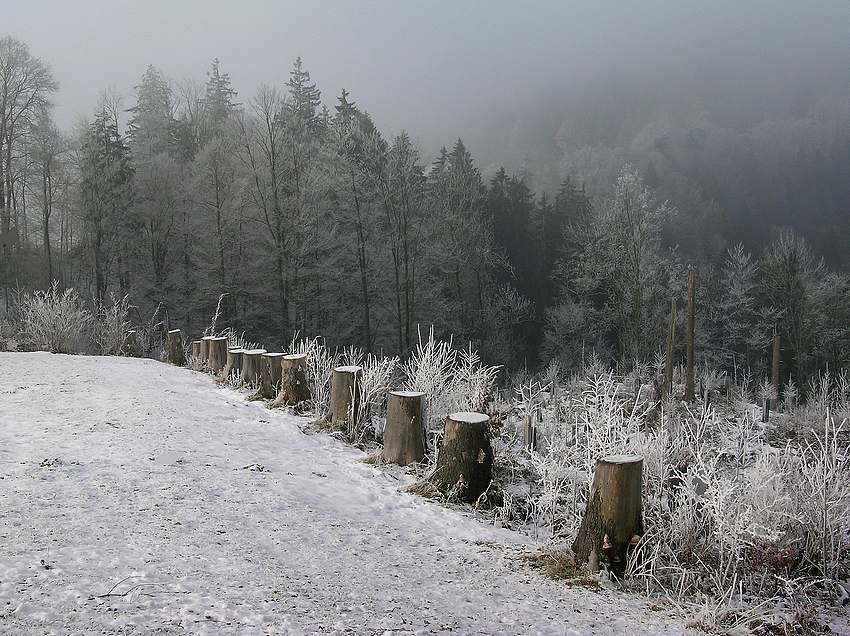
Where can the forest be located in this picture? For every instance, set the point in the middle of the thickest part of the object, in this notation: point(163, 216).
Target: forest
point(287, 213)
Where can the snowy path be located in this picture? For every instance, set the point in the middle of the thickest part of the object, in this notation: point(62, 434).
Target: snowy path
point(149, 485)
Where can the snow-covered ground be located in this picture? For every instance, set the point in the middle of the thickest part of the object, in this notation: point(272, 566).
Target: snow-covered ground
point(140, 498)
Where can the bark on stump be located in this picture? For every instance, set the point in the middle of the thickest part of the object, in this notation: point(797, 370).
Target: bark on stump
point(614, 513)
point(345, 384)
point(233, 364)
point(269, 376)
point(217, 354)
point(465, 459)
point(404, 435)
point(175, 348)
point(250, 375)
point(293, 380)
point(205, 349)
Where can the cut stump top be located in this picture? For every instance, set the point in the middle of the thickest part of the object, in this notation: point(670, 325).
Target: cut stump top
point(353, 368)
point(253, 352)
point(621, 459)
point(469, 417)
point(407, 394)
point(271, 354)
point(174, 331)
point(294, 356)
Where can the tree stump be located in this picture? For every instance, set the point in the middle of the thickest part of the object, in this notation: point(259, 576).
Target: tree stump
point(269, 377)
point(233, 364)
point(196, 350)
point(205, 349)
point(404, 435)
point(174, 345)
point(345, 383)
point(465, 459)
point(293, 381)
point(131, 344)
point(216, 354)
point(614, 513)
point(250, 375)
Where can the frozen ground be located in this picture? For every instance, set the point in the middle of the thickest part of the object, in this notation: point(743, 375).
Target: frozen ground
point(131, 502)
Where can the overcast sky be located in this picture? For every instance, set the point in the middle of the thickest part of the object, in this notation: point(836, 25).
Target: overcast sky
point(435, 67)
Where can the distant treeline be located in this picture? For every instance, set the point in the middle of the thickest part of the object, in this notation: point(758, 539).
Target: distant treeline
point(309, 220)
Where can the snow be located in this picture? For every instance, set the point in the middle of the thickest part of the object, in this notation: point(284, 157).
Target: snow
point(295, 356)
point(468, 417)
point(203, 513)
point(349, 369)
point(407, 394)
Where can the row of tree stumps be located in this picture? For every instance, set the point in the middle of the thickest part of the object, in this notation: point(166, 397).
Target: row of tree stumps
point(613, 520)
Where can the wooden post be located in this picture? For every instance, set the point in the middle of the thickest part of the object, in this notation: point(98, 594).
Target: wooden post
point(216, 354)
point(176, 354)
point(765, 410)
point(775, 378)
point(529, 433)
point(250, 375)
point(614, 513)
point(345, 385)
point(667, 387)
point(404, 435)
point(233, 366)
point(293, 381)
point(689, 378)
point(465, 460)
point(269, 376)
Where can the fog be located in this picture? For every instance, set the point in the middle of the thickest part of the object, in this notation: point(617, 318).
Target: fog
point(495, 73)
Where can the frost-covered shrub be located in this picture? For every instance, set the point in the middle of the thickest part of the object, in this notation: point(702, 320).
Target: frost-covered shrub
point(54, 320)
point(111, 326)
point(320, 365)
point(372, 389)
point(451, 380)
point(737, 531)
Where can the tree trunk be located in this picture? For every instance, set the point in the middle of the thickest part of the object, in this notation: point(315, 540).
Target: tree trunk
point(293, 381)
point(217, 354)
point(345, 384)
point(465, 460)
point(404, 435)
point(614, 513)
point(689, 378)
point(667, 388)
point(233, 365)
point(250, 375)
point(175, 348)
point(774, 370)
point(269, 376)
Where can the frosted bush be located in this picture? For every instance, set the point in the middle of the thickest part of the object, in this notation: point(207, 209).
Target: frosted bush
point(54, 320)
point(320, 365)
point(111, 327)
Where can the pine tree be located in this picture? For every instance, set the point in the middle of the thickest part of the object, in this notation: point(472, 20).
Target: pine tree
point(152, 127)
point(218, 97)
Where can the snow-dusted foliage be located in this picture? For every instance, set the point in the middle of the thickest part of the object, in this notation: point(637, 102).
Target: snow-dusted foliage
point(320, 365)
point(111, 326)
point(371, 397)
point(54, 320)
point(452, 380)
point(737, 529)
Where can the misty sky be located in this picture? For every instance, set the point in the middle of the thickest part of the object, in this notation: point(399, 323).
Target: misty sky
point(445, 69)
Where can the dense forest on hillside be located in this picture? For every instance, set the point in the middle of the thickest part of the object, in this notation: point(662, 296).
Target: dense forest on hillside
point(307, 219)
